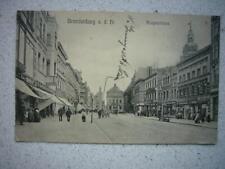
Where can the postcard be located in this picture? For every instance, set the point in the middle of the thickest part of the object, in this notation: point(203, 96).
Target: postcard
point(116, 78)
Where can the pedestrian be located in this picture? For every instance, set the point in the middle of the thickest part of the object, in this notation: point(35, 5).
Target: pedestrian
point(83, 117)
point(37, 117)
point(26, 115)
point(20, 108)
point(68, 114)
point(197, 118)
point(99, 114)
point(21, 113)
point(208, 118)
point(60, 113)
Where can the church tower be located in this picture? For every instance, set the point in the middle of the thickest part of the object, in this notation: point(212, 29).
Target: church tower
point(190, 47)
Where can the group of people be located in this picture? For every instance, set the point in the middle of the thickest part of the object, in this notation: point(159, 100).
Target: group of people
point(62, 111)
point(201, 117)
point(83, 112)
point(29, 115)
point(102, 113)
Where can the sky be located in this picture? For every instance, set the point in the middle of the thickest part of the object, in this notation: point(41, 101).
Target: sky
point(157, 40)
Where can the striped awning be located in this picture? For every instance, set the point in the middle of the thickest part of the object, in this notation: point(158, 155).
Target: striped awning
point(65, 101)
point(46, 95)
point(24, 88)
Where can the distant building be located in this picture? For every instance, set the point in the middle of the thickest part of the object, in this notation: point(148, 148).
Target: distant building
point(131, 98)
point(138, 95)
point(115, 100)
point(128, 98)
point(98, 102)
point(159, 91)
point(168, 90)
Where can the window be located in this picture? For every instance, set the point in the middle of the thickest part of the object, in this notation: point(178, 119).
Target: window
point(204, 69)
point(48, 68)
point(55, 40)
point(184, 91)
point(21, 46)
point(39, 61)
point(192, 90)
point(55, 68)
point(43, 32)
point(40, 29)
point(184, 77)
point(43, 65)
point(187, 91)
point(198, 72)
point(188, 76)
point(48, 39)
point(193, 74)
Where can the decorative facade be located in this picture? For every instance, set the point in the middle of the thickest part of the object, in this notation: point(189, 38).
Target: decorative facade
point(115, 100)
point(194, 80)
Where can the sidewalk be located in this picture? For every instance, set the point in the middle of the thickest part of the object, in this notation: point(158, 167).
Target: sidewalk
point(212, 124)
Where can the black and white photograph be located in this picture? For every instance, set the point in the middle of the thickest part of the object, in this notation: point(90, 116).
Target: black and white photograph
point(116, 77)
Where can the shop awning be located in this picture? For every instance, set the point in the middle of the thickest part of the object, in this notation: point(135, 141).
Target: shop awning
point(65, 101)
point(42, 93)
point(44, 104)
point(24, 88)
point(49, 96)
point(80, 107)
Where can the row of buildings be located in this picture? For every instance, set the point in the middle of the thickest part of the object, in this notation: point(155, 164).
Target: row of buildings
point(189, 87)
point(44, 77)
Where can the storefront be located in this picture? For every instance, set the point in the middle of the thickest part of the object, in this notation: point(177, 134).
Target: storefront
point(26, 99)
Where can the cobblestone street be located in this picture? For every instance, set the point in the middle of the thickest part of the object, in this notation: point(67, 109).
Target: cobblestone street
point(122, 128)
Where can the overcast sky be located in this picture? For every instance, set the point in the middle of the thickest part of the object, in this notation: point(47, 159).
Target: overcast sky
point(94, 49)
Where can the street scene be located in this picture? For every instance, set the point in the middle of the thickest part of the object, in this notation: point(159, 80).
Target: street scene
point(116, 78)
point(120, 129)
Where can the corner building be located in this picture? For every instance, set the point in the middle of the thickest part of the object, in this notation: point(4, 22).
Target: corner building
point(194, 79)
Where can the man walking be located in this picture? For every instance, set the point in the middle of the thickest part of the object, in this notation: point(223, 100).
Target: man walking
point(68, 114)
point(60, 113)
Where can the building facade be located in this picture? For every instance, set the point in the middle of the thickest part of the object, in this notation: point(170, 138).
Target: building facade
point(44, 78)
point(115, 100)
point(194, 79)
point(138, 96)
point(168, 91)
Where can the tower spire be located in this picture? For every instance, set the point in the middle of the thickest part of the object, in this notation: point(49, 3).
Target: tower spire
point(190, 47)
